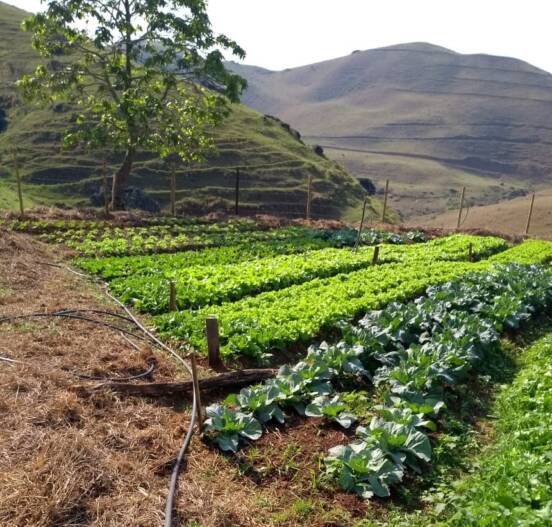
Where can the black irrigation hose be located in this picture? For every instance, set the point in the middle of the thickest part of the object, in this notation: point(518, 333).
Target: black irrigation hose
point(177, 466)
point(95, 311)
point(115, 379)
point(76, 317)
point(188, 437)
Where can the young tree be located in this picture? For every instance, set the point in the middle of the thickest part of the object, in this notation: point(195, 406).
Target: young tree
point(137, 71)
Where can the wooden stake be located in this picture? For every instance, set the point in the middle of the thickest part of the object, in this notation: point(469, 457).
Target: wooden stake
point(237, 206)
point(195, 381)
point(470, 252)
point(530, 214)
point(18, 178)
point(361, 223)
point(213, 343)
point(173, 190)
point(384, 211)
point(172, 296)
point(105, 189)
point(375, 258)
point(458, 223)
point(309, 196)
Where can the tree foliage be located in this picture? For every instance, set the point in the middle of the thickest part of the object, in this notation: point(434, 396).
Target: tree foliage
point(143, 74)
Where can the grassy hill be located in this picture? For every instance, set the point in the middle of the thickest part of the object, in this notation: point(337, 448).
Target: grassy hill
point(429, 119)
point(275, 165)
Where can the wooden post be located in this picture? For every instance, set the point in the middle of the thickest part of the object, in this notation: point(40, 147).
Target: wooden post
point(530, 214)
point(361, 223)
point(197, 393)
point(384, 211)
point(105, 189)
point(213, 343)
point(237, 206)
point(173, 190)
point(172, 296)
point(470, 252)
point(463, 195)
point(18, 178)
point(375, 258)
point(309, 196)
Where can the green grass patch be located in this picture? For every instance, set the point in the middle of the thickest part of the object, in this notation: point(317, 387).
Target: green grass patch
point(512, 479)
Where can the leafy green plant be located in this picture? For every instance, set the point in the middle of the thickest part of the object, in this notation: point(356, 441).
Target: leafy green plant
point(363, 468)
point(261, 400)
point(227, 427)
point(332, 409)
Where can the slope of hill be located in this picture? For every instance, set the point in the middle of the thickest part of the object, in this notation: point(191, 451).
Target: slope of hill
point(508, 216)
point(426, 117)
point(275, 165)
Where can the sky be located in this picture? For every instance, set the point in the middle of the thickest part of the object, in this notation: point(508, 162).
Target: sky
point(279, 34)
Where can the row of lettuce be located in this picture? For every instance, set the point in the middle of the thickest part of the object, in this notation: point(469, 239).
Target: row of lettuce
point(169, 235)
point(273, 321)
point(203, 285)
point(85, 226)
point(412, 354)
point(269, 295)
point(137, 241)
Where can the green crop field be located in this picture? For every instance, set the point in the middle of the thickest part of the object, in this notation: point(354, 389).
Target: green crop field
point(397, 349)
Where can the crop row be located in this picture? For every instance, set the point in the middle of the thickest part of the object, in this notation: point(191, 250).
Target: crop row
point(529, 252)
point(420, 348)
point(139, 240)
point(512, 484)
point(163, 264)
point(130, 242)
point(213, 284)
point(44, 226)
point(409, 351)
point(275, 320)
point(89, 235)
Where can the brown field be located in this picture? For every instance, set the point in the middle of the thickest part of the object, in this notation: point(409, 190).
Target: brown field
point(507, 216)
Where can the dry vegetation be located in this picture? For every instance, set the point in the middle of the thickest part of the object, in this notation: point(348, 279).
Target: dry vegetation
point(65, 459)
point(507, 216)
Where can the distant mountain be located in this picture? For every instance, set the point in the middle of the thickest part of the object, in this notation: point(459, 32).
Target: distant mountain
point(429, 119)
point(275, 164)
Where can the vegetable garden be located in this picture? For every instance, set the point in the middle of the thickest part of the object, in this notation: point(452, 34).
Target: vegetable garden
point(381, 341)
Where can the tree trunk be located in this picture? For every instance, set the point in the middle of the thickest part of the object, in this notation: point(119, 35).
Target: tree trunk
point(120, 181)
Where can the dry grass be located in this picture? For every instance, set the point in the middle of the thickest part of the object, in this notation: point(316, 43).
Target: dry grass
point(509, 216)
point(64, 459)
